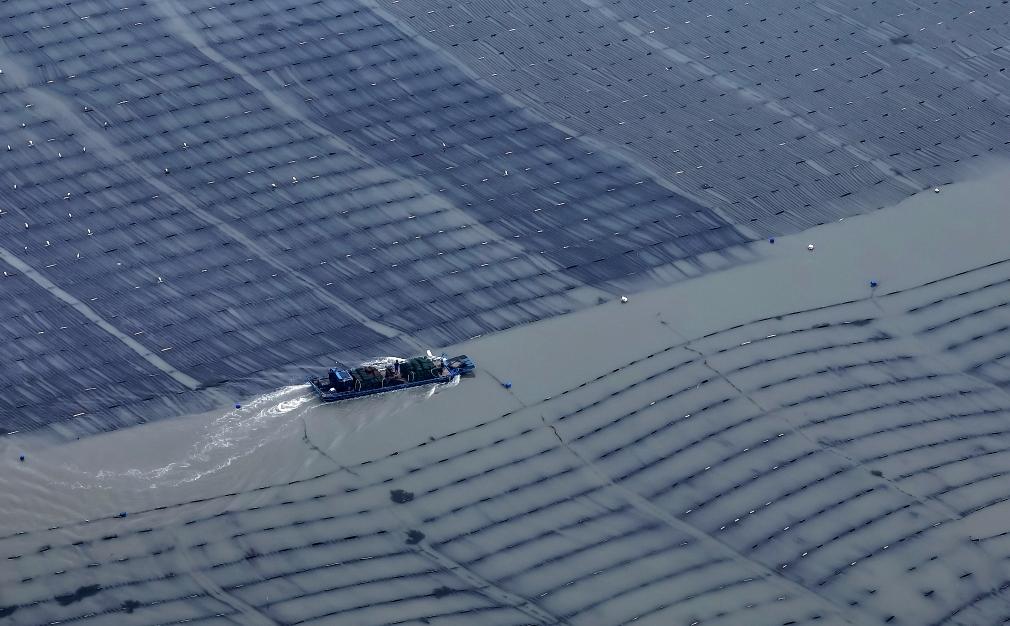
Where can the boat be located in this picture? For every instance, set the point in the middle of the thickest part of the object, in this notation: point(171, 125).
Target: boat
point(391, 374)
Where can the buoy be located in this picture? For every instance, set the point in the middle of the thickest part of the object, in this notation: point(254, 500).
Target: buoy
point(810, 246)
point(507, 384)
point(873, 284)
point(771, 240)
point(624, 299)
point(238, 406)
point(936, 190)
point(21, 458)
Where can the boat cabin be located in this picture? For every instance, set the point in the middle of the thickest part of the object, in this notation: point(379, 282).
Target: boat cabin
point(340, 380)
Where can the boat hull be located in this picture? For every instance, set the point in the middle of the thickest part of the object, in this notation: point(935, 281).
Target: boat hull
point(369, 380)
point(337, 396)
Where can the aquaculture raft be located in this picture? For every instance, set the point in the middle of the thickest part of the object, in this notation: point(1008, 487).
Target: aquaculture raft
point(391, 375)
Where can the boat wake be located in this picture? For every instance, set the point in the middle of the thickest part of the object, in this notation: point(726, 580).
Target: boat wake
point(189, 448)
point(230, 442)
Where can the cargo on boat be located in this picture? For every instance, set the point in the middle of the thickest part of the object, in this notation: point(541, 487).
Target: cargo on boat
point(389, 375)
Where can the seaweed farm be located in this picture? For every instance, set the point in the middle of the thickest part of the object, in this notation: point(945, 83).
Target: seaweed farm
point(196, 197)
point(735, 278)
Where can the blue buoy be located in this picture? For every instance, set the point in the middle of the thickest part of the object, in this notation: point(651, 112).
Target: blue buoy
point(873, 284)
point(21, 458)
point(238, 406)
point(771, 240)
point(507, 384)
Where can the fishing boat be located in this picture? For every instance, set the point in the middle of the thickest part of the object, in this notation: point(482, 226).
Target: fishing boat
point(390, 374)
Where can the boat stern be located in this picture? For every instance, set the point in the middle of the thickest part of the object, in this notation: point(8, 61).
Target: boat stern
point(334, 385)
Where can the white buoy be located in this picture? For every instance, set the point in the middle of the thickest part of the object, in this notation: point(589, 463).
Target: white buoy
point(810, 246)
point(624, 299)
